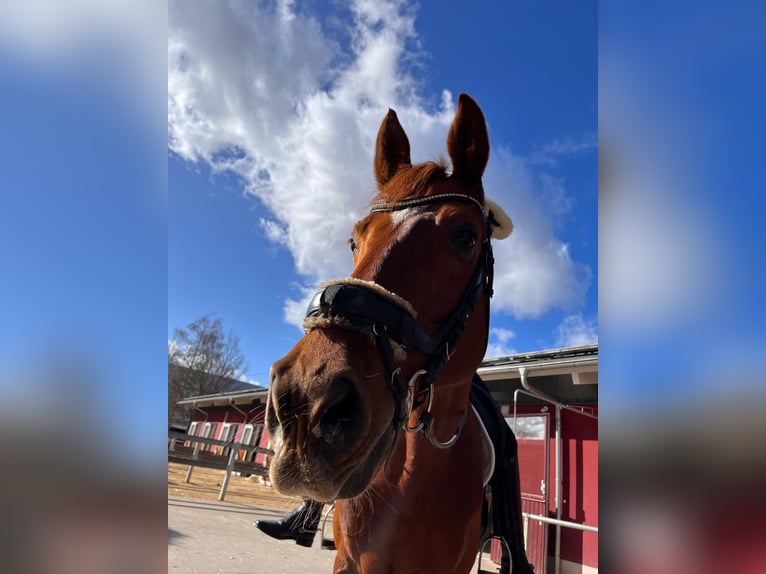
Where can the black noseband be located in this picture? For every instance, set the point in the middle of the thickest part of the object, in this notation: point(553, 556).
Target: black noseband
point(365, 309)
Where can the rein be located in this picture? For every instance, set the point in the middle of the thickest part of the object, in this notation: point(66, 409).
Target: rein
point(366, 308)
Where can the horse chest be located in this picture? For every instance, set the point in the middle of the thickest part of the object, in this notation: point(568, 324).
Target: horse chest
point(433, 531)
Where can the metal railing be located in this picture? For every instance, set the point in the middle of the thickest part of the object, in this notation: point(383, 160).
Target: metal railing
point(183, 454)
point(556, 521)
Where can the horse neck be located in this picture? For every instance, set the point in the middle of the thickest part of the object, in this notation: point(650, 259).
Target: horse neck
point(422, 511)
point(414, 473)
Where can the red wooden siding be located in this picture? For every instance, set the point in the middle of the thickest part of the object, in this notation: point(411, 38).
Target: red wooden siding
point(534, 496)
point(579, 468)
point(580, 491)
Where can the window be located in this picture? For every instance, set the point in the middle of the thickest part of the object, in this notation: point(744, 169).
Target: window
point(532, 427)
point(247, 435)
point(257, 434)
point(228, 432)
point(251, 436)
point(193, 430)
point(208, 432)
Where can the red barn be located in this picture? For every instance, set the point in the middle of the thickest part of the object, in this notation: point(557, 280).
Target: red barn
point(554, 394)
point(236, 415)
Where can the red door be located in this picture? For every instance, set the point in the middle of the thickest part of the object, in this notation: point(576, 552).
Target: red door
point(532, 437)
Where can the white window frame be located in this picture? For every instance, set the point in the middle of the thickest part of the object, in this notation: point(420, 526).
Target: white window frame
point(224, 436)
point(192, 431)
point(247, 435)
point(208, 431)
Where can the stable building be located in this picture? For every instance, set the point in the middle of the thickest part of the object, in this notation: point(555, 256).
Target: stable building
point(550, 399)
point(236, 416)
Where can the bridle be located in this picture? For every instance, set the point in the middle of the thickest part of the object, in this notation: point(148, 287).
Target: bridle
point(365, 308)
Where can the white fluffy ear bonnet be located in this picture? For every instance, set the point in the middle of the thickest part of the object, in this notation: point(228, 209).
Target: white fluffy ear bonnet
point(499, 220)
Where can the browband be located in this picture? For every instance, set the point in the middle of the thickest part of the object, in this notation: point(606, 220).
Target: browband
point(384, 206)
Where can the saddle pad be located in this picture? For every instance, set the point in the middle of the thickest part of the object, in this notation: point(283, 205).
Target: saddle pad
point(487, 450)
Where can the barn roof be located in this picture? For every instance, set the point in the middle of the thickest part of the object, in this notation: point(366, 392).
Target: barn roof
point(244, 396)
point(581, 362)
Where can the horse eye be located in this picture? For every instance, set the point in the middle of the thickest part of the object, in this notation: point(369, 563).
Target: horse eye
point(465, 239)
point(352, 245)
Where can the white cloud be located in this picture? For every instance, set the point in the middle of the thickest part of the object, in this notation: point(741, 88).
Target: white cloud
point(498, 343)
point(242, 377)
point(554, 195)
point(275, 232)
point(575, 331)
point(550, 153)
point(265, 92)
point(295, 309)
point(534, 270)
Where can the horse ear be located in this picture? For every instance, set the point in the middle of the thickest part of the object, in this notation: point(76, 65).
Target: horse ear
point(467, 141)
point(392, 150)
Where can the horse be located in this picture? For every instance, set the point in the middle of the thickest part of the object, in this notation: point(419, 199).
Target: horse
point(370, 409)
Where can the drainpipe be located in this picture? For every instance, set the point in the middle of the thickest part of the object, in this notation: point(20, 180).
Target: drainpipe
point(537, 393)
point(207, 414)
point(236, 408)
point(557, 483)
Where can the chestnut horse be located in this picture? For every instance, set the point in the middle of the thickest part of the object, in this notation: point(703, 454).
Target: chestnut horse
point(371, 407)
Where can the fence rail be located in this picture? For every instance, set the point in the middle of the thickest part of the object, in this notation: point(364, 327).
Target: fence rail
point(564, 523)
point(185, 449)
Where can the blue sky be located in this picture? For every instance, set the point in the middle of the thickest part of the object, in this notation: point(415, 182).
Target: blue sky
point(239, 249)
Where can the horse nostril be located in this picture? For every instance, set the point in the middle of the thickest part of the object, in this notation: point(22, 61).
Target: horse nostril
point(340, 410)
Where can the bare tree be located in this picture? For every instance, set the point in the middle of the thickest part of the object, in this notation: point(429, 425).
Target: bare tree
point(202, 360)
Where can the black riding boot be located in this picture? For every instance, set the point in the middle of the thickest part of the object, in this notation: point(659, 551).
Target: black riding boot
point(300, 525)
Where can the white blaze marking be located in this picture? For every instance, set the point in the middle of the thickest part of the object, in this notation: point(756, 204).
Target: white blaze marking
point(398, 217)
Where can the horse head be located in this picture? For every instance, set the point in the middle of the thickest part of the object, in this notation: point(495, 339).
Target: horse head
point(338, 401)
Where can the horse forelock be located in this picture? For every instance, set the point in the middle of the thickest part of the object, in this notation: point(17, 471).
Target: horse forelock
point(413, 181)
point(425, 179)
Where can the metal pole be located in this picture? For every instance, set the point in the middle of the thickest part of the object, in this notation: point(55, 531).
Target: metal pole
point(564, 523)
point(229, 469)
point(196, 445)
point(194, 455)
point(557, 483)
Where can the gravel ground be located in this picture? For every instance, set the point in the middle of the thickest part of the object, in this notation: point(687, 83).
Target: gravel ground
point(206, 536)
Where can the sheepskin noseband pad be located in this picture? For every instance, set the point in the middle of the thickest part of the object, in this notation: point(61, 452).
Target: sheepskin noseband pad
point(500, 222)
point(361, 306)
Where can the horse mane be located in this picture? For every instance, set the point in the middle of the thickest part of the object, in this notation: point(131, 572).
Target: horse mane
point(412, 181)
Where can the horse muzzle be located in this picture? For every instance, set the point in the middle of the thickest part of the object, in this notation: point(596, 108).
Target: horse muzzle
point(328, 434)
